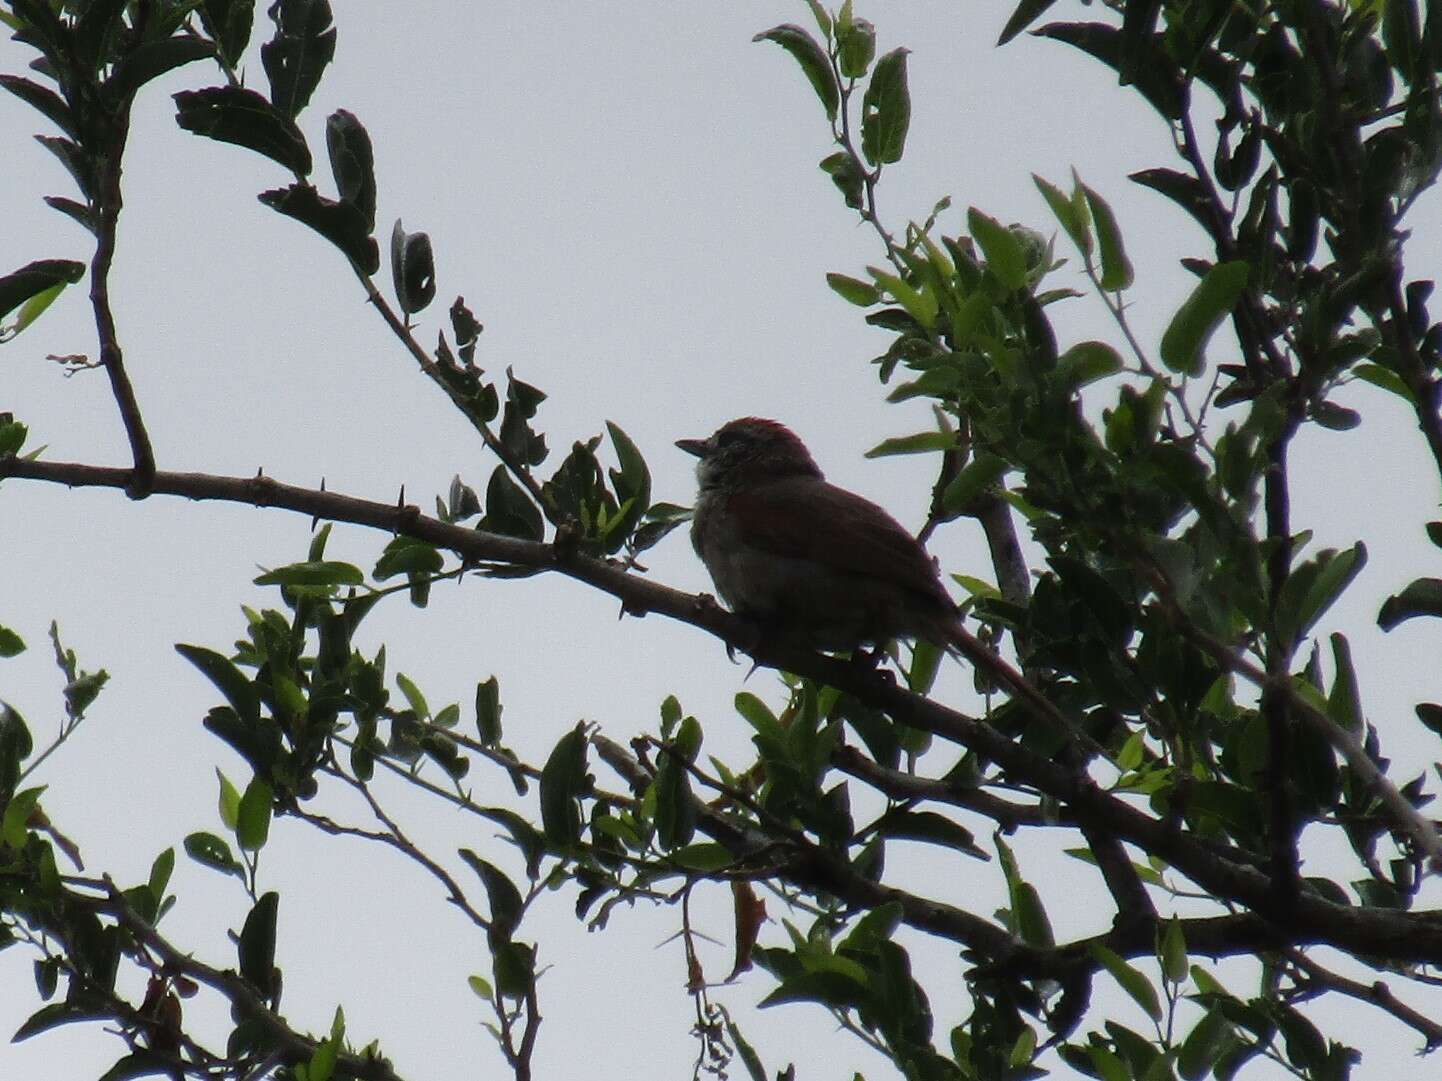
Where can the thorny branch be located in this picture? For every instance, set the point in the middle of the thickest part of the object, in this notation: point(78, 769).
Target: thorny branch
point(1405, 936)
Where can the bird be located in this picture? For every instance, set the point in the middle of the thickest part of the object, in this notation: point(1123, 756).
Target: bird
point(806, 560)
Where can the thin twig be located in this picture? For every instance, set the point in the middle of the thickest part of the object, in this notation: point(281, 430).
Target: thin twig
point(493, 443)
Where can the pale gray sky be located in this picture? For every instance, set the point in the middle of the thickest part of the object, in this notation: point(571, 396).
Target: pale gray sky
point(627, 196)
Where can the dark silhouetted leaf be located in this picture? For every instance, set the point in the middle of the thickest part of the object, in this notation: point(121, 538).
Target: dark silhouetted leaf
point(295, 57)
point(1183, 190)
point(1144, 63)
point(257, 944)
point(340, 223)
point(847, 175)
point(488, 711)
point(232, 114)
point(153, 59)
point(1422, 597)
point(51, 104)
point(413, 269)
point(221, 671)
point(813, 60)
point(563, 781)
point(501, 893)
point(77, 162)
point(35, 278)
point(229, 23)
point(1026, 13)
point(353, 164)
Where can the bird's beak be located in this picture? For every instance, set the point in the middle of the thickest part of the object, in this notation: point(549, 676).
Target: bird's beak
point(693, 446)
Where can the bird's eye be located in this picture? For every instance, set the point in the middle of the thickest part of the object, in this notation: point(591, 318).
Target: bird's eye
point(729, 439)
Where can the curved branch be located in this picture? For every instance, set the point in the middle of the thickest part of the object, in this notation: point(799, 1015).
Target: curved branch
point(112, 359)
point(1411, 936)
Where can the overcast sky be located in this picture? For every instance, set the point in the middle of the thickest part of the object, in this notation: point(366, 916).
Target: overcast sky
point(627, 196)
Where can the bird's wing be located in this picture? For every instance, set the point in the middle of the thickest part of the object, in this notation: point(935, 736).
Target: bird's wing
point(836, 528)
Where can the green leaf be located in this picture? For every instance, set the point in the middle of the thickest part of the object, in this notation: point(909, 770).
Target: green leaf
point(1116, 267)
point(759, 716)
point(704, 857)
point(920, 443)
point(822, 17)
point(862, 294)
point(481, 987)
point(488, 711)
point(1086, 362)
point(229, 801)
point(212, 851)
point(304, 43)
point(886, 110)
point(675, 805)
point(1385, 378)
point(11, 644)
point(1024, 1049)
point(15, 823)
point(1422, 597)
point(238, 690)
point(515, 968)
point(813, 60)
point(1344, 704)
point(1203, 1045)
point(563, 781)
point(414, 698)
point(160, 872)
point(37, 279)
point(313, 573)
point(1132, 981)
point(1000, 246)
point(856, 46)
point(1069, 213)
point(980, 474)
point(252, 823)
point(406, 555)
point(1200, 315)
point(256, 947)
point(1172, 952)
point(501, 894)
point(12, 437)
point(918, 300)
point(632, 485)
point(232, 114)
point(31, 310)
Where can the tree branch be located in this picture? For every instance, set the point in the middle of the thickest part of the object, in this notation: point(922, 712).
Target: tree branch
point(1412, 936)
point(110, 201)
point(292, 1046)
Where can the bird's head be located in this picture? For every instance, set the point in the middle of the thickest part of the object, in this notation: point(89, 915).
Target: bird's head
point(747, 451)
